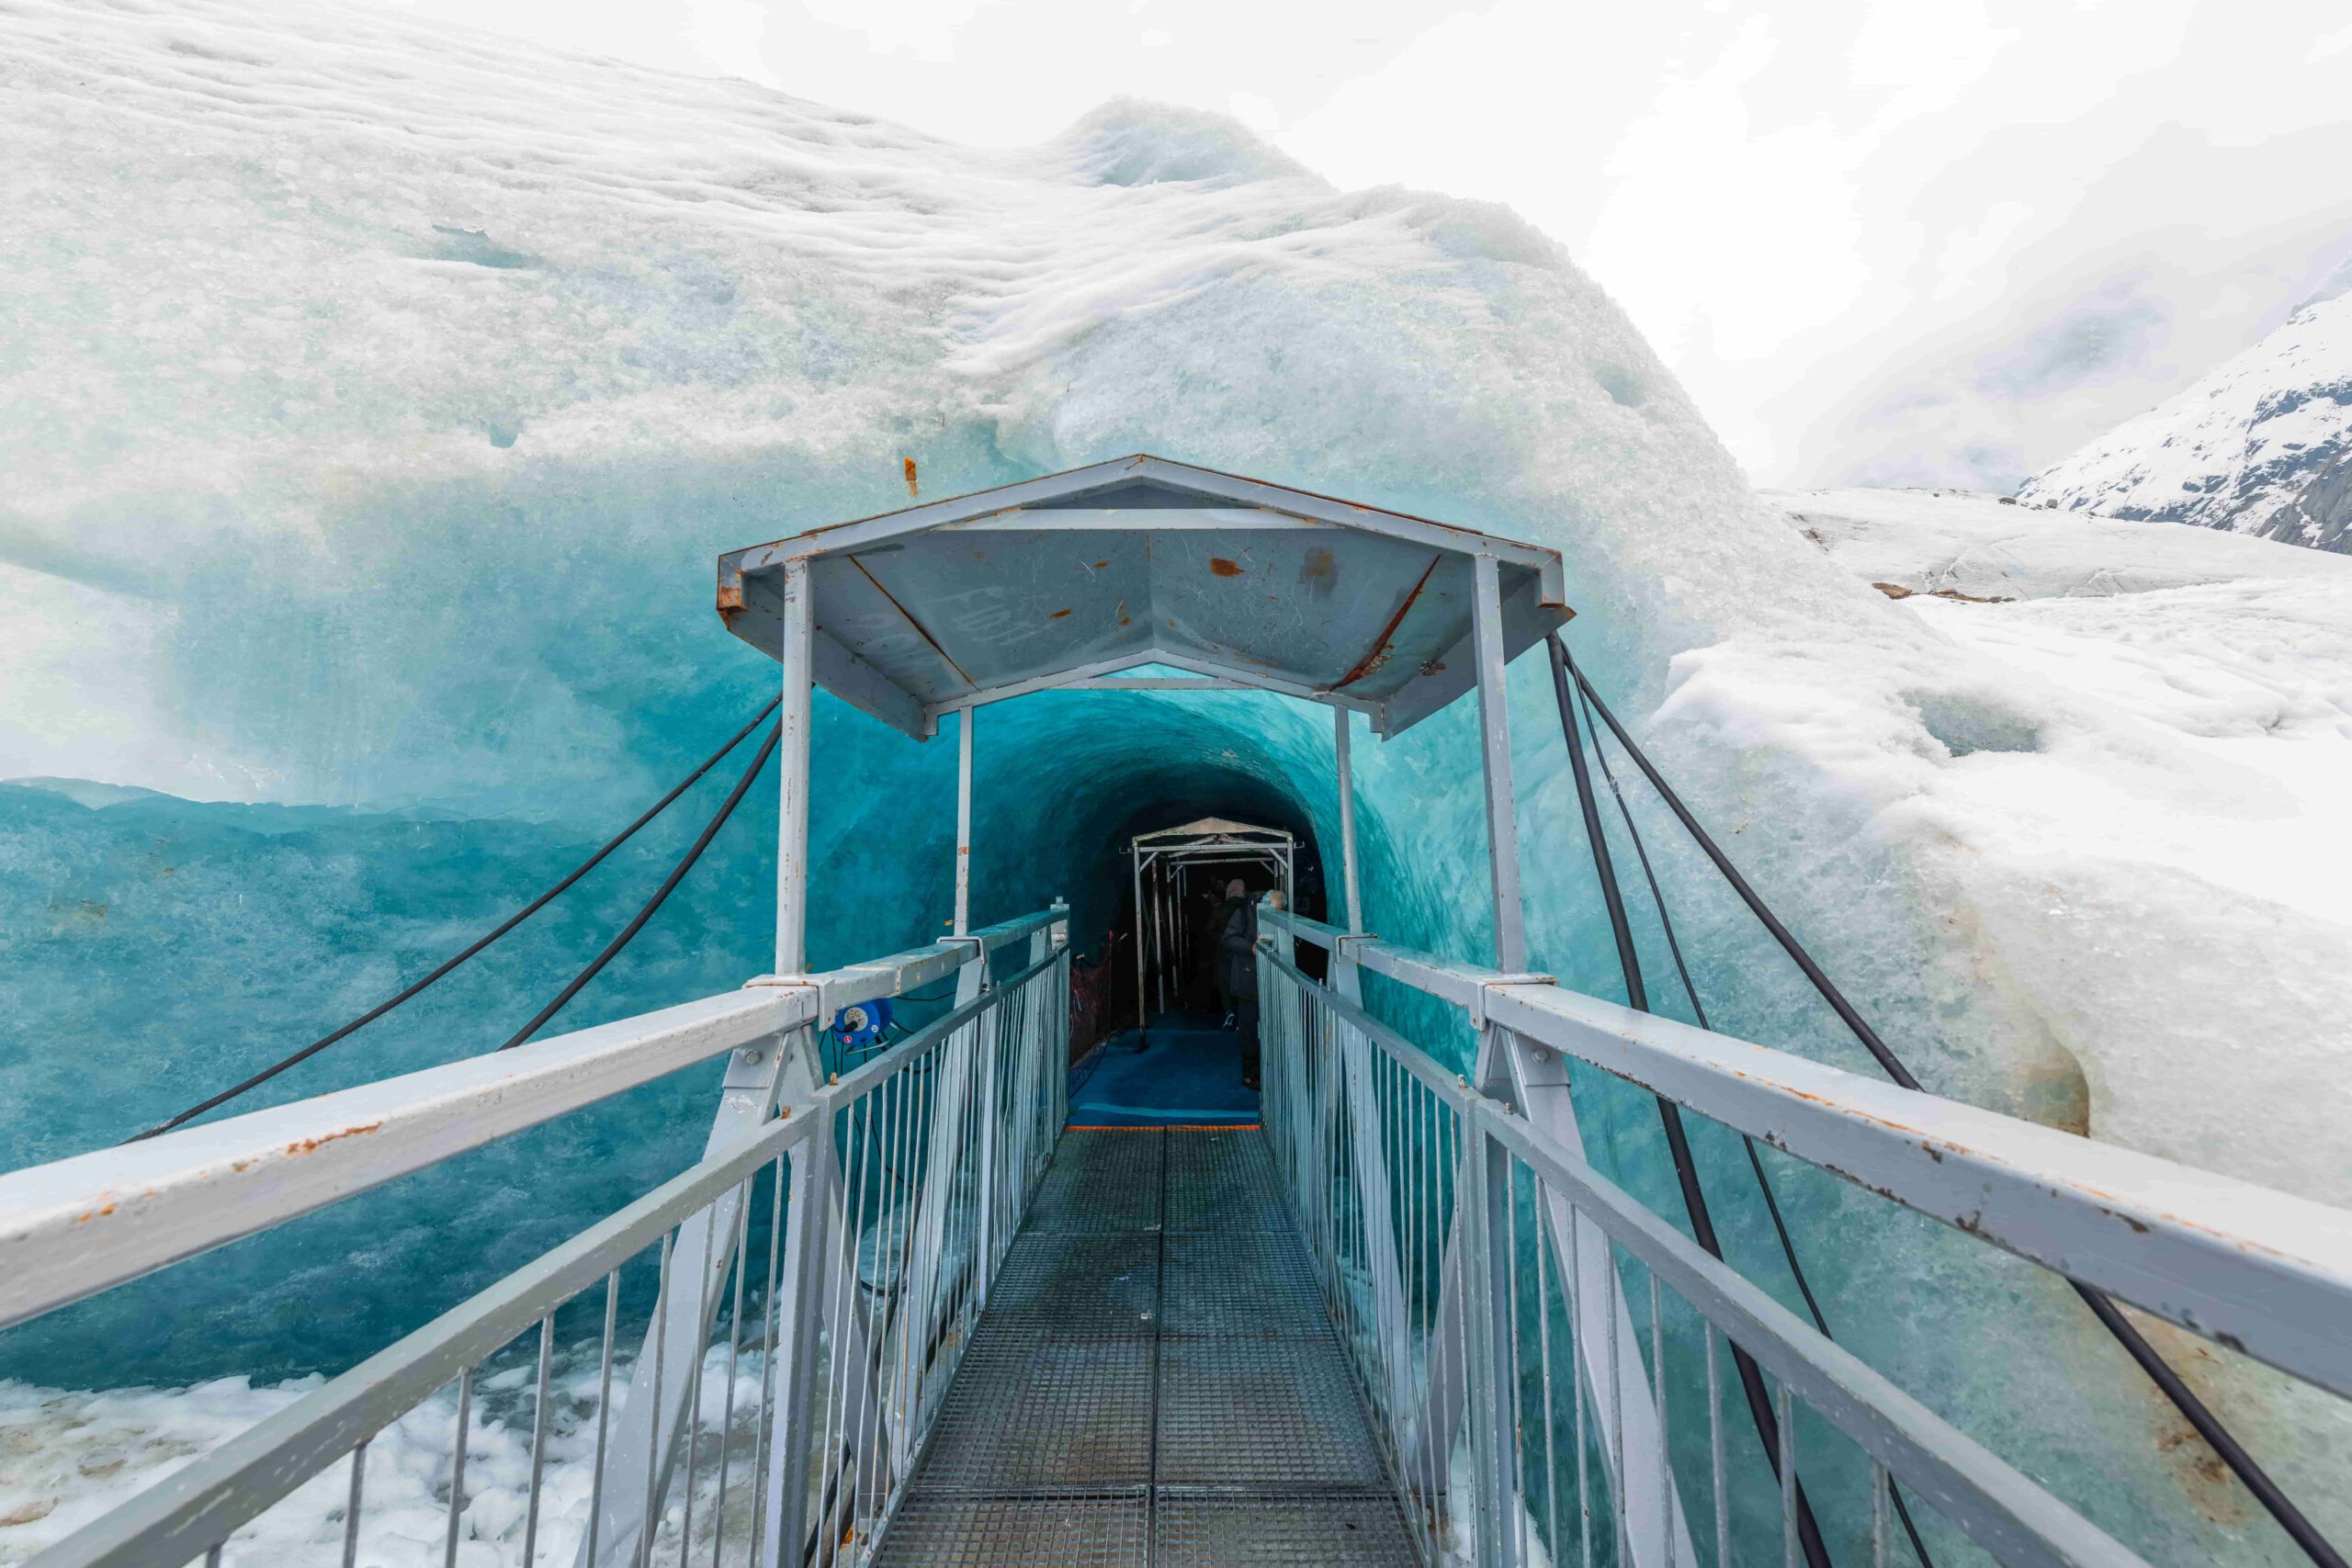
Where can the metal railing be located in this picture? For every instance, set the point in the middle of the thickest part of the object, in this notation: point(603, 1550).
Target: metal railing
point(1475, 1264)
point(806, 1287)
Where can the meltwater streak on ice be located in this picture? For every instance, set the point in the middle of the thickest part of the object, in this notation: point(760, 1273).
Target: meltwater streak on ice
point(390, 392)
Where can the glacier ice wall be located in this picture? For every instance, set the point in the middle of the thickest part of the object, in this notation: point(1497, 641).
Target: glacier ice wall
point(379, 398)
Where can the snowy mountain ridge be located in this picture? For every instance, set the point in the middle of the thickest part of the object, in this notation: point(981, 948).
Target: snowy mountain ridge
point(2262, 444)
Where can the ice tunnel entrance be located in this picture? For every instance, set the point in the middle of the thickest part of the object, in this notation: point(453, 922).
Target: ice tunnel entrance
point(1148, 576)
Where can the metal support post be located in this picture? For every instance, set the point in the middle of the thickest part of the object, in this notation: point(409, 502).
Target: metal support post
point(645, 1436)
point(1493, 733)
point(1376, 1205)
point(988, 1035)
point(964, 823)
point(1535, 1079)
point(1339, 742)
point(800, 1309)
point(798, 655)
point(1143, 1008)
point(1485, 1241)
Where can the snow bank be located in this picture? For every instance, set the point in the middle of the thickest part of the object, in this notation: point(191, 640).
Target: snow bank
point(383, 394)
point(1981, 546)
point(2162, 791)
point(75, 1455)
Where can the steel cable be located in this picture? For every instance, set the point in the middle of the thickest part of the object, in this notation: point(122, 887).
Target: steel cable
point(2208, 1426)
point(1755, 1161)
point(1677, 1140)
point(669, 884)
point(525, 913)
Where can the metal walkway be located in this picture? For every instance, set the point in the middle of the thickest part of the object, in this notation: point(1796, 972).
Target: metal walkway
point(1154, 1381)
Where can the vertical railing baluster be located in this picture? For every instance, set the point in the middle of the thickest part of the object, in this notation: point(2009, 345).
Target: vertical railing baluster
point(351, 1506)
point(458, 1468)
point(734, 1363)
point(1788, 1477)
point(1518, 1413)
point(1613, 1303)
point(691, 1427)
point(1544, 1349)
point(839, 1299)
point(538, 1441)
point(772, 1322)
point(1879, 1483)
point(1717, 1454)
point(891, 1307)
point(864, 1385)
point(1577, 1375)
point(652, 1514)
point(799, 1321)
point(1657, 1394)
point(1486, 1339)
point(604, 1411)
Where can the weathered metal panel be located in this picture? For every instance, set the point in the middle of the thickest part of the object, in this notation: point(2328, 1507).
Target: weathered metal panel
point(1041, 584)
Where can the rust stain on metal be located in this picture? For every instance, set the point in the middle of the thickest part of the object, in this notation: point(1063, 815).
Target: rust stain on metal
point(1224, 568)
point(1102, 565)
point(1379, 654)
point(310, 1145)
point(1058, 614)
point(920, 630)
point(1319, 572)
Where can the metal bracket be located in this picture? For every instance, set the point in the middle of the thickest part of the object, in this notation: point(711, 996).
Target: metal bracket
point(1479, 996)
point(980, 957)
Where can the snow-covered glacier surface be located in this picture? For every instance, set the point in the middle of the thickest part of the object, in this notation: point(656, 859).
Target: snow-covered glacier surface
point(374, 400)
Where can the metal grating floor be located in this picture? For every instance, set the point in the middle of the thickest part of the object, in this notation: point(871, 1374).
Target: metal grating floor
point(1155, 1381)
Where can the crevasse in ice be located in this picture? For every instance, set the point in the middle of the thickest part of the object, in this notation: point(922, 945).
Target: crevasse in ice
point(377, 399)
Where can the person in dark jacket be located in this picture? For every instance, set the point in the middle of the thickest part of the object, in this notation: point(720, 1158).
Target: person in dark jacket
point(1237, 971)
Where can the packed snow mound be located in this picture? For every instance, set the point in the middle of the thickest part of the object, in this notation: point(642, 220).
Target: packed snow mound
point(1961, 544)
point(2171, 743)
point(1129, 142)
point(2261, 446)
point(378, 396)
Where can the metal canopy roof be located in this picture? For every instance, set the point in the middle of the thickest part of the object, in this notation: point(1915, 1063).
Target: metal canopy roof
point(1217, 830)
point(1141, 561)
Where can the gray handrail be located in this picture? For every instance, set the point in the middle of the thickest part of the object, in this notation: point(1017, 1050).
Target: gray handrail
point(189, 1512)
point(196, 1509)
point(2256, 1269)
point(76, 1227)
point(1990, 1501)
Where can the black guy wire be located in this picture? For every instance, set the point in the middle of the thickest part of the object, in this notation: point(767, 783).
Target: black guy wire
point(525, 913)
point(2208, 1426)
point(1677, 1140)
point(669, 884)
point(1755, 1162)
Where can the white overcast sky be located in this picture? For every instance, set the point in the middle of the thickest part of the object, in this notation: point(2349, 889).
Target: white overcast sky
point(1913, 241)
